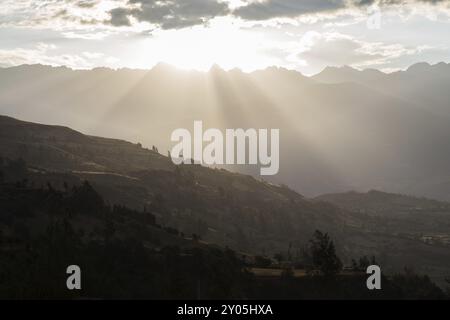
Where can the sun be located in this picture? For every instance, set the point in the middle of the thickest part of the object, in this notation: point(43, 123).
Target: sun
point(201, 47)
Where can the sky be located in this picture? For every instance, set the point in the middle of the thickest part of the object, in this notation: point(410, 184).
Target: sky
point(304, 35)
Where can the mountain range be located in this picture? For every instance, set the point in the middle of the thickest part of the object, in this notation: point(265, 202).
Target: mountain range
point(342, 129)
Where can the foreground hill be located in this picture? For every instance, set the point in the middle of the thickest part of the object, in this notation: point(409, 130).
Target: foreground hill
point(229, 208)
point(124, 254)
point(218, 206)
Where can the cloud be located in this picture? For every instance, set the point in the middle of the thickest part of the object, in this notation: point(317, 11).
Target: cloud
point(60, 14)
point(86, 34)
point(269, 9)
point(286, 8)
point(120, 17)
point(335, 49)
point(45, 54)
point(92, 55)
point(169, 14)
point(87, 3)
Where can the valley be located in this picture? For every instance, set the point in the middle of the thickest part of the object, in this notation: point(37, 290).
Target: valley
point(229, 209)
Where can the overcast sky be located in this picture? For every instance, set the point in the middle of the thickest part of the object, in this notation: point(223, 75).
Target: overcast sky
point(303, 35)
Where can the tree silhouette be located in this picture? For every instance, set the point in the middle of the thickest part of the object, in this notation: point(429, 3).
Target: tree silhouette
point(85, 199)
point(323, 255)
point(364, 262)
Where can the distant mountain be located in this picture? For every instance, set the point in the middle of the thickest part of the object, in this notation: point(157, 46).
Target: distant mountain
point(382, 203)
point(401, 213)
point(348, 74)
point(340, 130)
point(371, 76)
point(422, 85)
point(220, 207)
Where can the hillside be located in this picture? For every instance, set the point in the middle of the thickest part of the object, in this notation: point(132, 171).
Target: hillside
point(61, 148)
point(421, 218)
point(124, 254)
point(382, 203)
point(224, 208)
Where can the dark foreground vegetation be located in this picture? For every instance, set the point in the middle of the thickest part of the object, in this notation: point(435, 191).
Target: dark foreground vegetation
point(124, 253)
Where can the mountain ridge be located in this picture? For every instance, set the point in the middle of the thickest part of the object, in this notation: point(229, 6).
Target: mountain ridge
point(326, 128)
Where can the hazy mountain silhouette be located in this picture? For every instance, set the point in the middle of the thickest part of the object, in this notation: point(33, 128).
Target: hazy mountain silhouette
point(342, 129)
point(422, 85)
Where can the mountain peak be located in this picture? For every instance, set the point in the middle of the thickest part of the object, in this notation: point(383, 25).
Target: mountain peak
point(215, 69)
point(347, 74)
point(163, 66)
point(347, 68)
point(419, 67)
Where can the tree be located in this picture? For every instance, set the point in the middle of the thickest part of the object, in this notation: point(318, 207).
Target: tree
point(364, 262)
point(416, 287)
point(323, 255)
point(85, 199)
